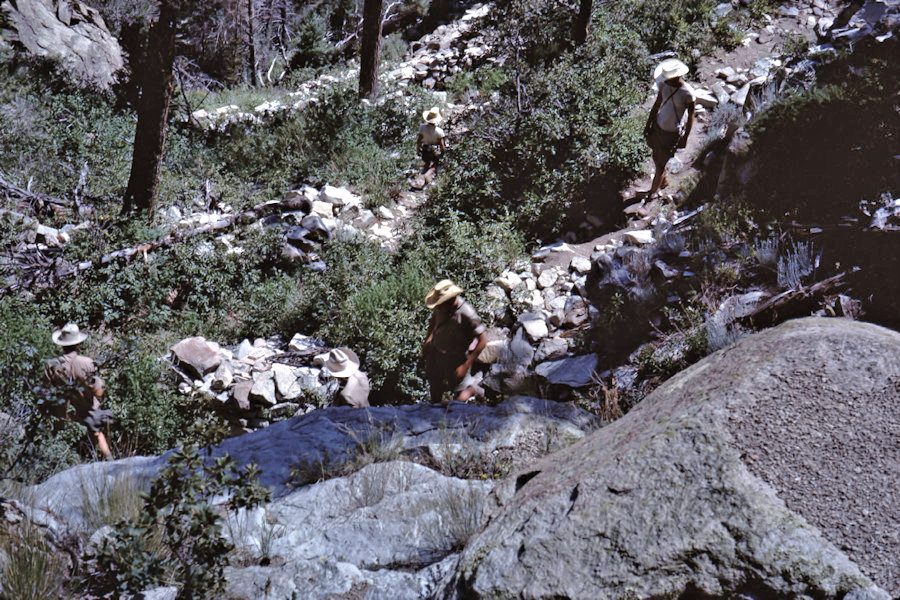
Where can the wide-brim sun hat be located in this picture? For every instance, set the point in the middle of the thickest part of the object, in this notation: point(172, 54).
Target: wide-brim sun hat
point(69, 335)
point(432, 115)
point(669, 68)
point(440, 293)
point(342, 362)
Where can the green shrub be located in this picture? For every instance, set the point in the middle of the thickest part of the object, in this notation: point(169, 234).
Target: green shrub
point(373, 301)
point(179, 505)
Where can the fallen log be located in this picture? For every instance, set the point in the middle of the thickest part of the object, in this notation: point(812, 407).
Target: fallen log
point(794, 303)
point(173, 237)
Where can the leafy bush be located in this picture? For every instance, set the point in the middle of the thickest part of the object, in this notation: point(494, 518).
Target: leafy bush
point(179, 504)
point(335, 140)
point(818, 152)
point(372, 301)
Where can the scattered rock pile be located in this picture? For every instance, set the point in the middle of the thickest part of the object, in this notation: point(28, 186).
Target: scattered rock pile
point(448, 50)
point(254, 384)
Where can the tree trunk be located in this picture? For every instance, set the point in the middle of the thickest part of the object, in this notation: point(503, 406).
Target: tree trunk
point(152, 112)
point(438, 12)
point(251, 42)
point(582, 21)
point(370, 49)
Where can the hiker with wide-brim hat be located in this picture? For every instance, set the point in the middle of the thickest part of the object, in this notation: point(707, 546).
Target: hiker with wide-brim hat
point(80, 387)
point(452, 330)
point(342, 363)
point(431, 140)
point(667, 130)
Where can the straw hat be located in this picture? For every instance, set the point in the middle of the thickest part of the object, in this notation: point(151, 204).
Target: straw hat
point(433, 115)
point(342, 362)
point(670, 68)
point(440, 293)
point(68, 335)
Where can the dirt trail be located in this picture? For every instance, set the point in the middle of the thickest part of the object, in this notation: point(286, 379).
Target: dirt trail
point(763, 41)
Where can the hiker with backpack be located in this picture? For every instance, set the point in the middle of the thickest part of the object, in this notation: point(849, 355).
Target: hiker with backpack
point(667, 129)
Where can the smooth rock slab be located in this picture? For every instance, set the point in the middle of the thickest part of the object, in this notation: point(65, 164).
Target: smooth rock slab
point(661, 503)
point(575, 372)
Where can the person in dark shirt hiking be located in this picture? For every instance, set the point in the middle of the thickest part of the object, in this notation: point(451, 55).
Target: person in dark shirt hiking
point(453, 329)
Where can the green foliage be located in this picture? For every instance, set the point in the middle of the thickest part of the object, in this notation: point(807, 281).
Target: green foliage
point(34, 446)
point(336, 140)
point(372, 301)
point(30, 567)
point(817, 152)
point(562, 137)
point(179, 505)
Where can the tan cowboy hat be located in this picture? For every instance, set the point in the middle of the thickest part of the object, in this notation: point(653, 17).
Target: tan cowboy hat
point(68, 335)
point(432, 115)
point(670, 68)
point(441, 292)
point(342, 362)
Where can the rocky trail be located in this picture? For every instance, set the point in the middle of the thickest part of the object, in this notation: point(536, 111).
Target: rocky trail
point(532, 349)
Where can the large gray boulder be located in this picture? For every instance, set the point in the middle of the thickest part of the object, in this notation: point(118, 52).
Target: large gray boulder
point(70, 32)
point(764, 470)
point(324, 439)
point(388, 531)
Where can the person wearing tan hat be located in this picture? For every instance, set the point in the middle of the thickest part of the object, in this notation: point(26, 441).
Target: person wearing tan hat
point(75, 376)
point(453, 328)
point(664, 131)
point(431, 140)
point(343, 363)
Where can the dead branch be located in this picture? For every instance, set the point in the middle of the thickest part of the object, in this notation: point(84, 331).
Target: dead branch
point(794, 303)
point(36, 201)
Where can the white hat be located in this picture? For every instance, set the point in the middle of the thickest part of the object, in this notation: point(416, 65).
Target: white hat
point(669, 68)
point(442, 291)
point(342, 362)
point(68, 335)
point(432, 115)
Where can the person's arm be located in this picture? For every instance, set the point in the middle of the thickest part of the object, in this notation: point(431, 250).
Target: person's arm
point(430, 333)
point(462, 369)
point(687, 127)
point(444, 143)
point(653, 112)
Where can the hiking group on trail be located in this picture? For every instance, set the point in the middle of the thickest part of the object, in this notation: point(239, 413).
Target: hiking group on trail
point(455, 336)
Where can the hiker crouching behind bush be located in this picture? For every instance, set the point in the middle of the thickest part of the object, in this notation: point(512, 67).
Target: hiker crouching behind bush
point(431, 139)
point(343, 363)
point(664, 131)
point(453, 328)
point(76, 377)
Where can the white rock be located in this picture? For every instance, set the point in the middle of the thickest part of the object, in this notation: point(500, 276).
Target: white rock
point(286, 381)
point(580, 264)
point(339, 196)
point(173, 213)
point(640, 236)
point(535, 326)
point(382, 231)
point(508, 281)
point(323, 209)
point(263, 390)
point(705, 98)
point(244, 349)
point(531, 284)
point(384, 212)
point(547, 278)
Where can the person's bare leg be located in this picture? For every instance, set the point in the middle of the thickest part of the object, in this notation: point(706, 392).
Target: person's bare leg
point(660, 173)
point(102, 446)
point(466, 394)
